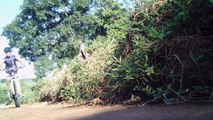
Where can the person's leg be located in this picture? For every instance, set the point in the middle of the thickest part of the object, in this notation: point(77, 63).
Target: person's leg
point(8, 84)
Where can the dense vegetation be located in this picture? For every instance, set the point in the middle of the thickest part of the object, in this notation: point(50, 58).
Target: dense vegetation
point(158, 50)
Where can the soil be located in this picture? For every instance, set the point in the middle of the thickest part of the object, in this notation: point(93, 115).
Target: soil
point(43, 111)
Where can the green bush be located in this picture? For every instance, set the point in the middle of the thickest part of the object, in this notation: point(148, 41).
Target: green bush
point(150, 55)
point(3, 93)
point(161, 57)
point(30, 94)
point(133, 75)
point(86, 78)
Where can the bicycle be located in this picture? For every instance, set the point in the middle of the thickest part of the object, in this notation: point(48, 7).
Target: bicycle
point(15, 86)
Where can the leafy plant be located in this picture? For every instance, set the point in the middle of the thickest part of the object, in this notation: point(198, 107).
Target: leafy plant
point(3, 93)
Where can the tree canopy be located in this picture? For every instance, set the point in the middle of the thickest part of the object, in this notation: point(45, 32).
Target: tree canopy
point(44, 26)
point(53, 28)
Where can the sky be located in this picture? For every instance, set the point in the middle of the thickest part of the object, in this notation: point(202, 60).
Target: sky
point(8, 11)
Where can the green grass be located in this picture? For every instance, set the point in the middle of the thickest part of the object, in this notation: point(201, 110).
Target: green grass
point(3, 95)
point(30, 96)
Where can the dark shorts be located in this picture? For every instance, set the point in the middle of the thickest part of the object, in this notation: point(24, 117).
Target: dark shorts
point(10, 72)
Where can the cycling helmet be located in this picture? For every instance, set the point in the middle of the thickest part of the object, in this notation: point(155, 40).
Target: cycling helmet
point(7, 49)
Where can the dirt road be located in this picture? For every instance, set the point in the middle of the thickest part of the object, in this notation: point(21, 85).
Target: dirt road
point(117, 112)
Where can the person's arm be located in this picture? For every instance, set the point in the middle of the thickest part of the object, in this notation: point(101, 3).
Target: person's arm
point(23, 65)
point(18, 60)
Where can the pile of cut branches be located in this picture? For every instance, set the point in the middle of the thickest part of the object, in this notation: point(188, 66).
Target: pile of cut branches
point(185, 68)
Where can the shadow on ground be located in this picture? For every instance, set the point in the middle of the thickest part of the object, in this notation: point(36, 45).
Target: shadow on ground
point(154, 112)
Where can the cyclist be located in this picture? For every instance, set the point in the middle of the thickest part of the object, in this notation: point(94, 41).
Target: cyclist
point(10, 66)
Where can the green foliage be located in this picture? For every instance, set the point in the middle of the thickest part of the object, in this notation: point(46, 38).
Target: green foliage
point(42, 66)
point(113, 18)
point(84, 78)
point(3, 93)
point(81, 81)
point(48, 28)
point(30, 94)
point(147, 52)
point(140, 73)
point(188, 17)
point(189, 32)
point(134, 74)
point(52, 29)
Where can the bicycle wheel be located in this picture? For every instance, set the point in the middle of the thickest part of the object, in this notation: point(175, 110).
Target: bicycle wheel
point(16, 96)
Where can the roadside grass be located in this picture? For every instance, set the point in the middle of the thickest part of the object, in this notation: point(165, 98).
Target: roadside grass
point(30, 95)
